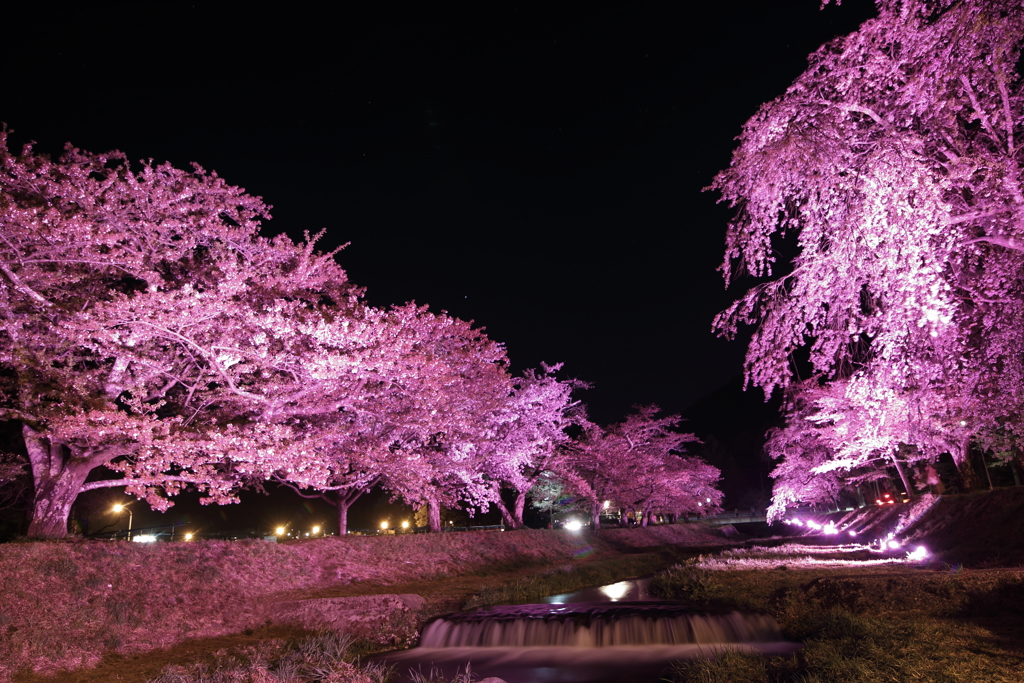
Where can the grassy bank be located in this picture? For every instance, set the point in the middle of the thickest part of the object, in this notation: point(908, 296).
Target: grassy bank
point(888, 622)
point(73, 605)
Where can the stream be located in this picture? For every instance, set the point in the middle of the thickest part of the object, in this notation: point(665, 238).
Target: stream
point(616, 633)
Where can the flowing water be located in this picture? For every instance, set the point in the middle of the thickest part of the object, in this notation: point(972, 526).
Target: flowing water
point(615, 633)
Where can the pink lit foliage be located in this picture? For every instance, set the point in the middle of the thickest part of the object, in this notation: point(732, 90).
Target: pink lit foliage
point(426, 385)
point(532, 439)
point(891, 170)
point(147, 330)
point(423, 430)
point(639, 466)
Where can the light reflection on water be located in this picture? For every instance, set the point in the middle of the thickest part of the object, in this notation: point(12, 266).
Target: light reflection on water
point(631, 590)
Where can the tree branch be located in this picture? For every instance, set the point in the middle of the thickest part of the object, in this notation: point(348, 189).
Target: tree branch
point(21, 286)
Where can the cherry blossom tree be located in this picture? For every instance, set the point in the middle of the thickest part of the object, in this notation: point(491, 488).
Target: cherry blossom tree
point(149, 331)
point(532, 437)
point(560, 494)
point(423, 426)
point(637, 465)
point(890, 169)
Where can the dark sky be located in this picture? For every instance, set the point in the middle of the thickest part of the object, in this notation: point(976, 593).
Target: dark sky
point(536, 170)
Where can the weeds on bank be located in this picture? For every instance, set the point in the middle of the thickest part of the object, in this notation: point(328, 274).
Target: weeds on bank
point(323, 658)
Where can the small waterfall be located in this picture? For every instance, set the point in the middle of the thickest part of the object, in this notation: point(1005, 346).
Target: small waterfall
point(597, 625)
point(607, 634)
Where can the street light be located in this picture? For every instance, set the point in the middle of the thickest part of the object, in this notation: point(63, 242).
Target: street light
point(120, 508)
point(384, 526)
point(279, 531)
point(316, 530)
point(405, 524)
point(188, 536)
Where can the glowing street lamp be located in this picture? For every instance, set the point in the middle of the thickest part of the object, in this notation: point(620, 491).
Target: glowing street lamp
point(188, 536)
point(120, 508)
point(316, 530)
point(279, 531)
point(384, 526)
point(607, 504)
point(405, 524)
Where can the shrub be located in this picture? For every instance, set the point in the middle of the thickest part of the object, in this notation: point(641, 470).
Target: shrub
point(685, 581)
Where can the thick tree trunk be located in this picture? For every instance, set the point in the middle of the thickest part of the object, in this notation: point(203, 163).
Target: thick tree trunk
point(58, 479)
point(344, 499)
point(644, 518)
point(342, 519)
point(962, 458)
point(506, 516)
point(434, 515)
point(595, 516)
point(517, 511)
point(513, 518)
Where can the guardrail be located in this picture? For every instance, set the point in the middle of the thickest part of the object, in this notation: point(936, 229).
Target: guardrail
point(734, 517)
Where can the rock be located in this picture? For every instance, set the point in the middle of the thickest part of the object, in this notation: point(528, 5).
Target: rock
point(729, 531)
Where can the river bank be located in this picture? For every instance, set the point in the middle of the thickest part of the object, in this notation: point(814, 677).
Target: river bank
point(96, 611)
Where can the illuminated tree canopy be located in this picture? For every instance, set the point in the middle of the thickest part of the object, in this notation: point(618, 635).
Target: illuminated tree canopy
point(151, 339)
point(640, 466)
point(880, 201)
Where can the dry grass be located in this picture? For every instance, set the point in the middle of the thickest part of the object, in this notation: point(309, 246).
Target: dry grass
point(893, 623)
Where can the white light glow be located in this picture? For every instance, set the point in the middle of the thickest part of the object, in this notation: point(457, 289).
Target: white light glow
point(894, 544)
point(919, 553)
point(573, 525)
point(616, 591)
point(144, 538)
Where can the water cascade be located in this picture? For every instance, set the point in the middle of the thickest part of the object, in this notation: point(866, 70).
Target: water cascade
point(597, 625)
point(593, 636)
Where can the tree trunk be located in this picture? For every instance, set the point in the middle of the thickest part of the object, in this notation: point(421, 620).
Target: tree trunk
point(506, 516)
point(342, 519)
point(962, 458)
point(434, 515)
point(344, 500)
point(514, 519)
point(517, 511)
point(595, 516)
point(984, 466)
point(903, 477)
point(58, 479)
point(644, 518)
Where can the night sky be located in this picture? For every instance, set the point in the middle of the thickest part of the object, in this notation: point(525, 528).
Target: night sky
point(535, 170)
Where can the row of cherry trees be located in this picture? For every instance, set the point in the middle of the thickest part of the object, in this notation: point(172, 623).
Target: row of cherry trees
point(150, 338)
point(890, 175)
